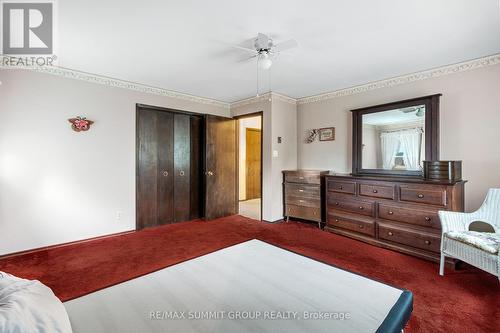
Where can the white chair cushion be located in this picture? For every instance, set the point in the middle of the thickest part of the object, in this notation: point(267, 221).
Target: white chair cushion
point(488, 242)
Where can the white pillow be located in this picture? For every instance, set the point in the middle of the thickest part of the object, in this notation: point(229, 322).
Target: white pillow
point(30, 307)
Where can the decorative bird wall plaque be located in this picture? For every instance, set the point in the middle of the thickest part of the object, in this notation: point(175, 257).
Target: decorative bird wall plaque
point(80, 124)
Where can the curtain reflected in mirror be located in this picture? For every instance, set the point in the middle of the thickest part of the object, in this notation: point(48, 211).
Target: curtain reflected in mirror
point(394, 139)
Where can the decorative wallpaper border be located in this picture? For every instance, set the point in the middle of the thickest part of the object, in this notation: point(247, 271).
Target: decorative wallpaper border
point(418, 76)
point(395, 81)
point(117, 83)
point(261, 98)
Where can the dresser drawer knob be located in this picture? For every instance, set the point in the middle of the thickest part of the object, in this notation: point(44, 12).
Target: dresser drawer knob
point(301, 200)
point(420, 196)
point(341, 187)
point(314, 212)
point(391, 212)
point(337, 203)
point(375, 191)
point(390, 233)
point(428, 242)
point(361, 226)
point(336, 220)
point(428, 219)
point(301, 190)
point(361, 207)
point(301, 177)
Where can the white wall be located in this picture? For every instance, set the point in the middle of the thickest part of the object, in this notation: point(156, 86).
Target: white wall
point(57, 185)
point(284, 117)
point(470, 130)
point(371, 147)
point(253, 122)
point(280, 119)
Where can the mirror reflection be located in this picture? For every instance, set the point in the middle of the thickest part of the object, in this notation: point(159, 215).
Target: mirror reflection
point(394, 139)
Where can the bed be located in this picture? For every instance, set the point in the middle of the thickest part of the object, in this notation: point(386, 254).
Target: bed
point(249, 287)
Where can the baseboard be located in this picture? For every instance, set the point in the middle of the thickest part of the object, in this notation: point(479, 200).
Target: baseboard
point(20, 253)
point(276, 221)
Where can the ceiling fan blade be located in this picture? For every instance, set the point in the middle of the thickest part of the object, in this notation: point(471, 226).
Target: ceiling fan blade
point(248, 58)
point(286, 45)
point(262, 41)
point(244, 49)
point(408, 109)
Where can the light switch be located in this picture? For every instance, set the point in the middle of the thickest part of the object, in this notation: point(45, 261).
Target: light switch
point(279, 139)
point(275, 153)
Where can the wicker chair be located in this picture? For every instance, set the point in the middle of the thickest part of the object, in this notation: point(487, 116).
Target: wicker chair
point(455, 227)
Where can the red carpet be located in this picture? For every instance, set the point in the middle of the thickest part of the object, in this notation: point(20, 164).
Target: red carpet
point(463, 301)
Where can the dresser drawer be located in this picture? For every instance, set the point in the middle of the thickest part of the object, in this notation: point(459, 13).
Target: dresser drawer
point(306, 213)
point(303, 201)
point(336, 202)
point(407, 236)
point(377, 191)
point(409, 215)
point(341, 187)
point(424, 195)
point(361, 226)
point(302, 190)
point(303, 178)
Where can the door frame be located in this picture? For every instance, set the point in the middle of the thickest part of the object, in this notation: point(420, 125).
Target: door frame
point(243, 116)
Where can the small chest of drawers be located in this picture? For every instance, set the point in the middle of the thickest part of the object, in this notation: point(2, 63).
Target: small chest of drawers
point(400, 214)
point(302, 197)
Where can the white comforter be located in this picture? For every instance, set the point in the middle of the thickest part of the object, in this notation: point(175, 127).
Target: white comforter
point(30, 307)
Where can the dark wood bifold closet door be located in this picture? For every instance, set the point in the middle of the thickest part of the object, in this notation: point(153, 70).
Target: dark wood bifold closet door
point(220, 167)
point(197, 183)
point(182, 171)
point(154, 168)
point(165, 132)
point(169, 166)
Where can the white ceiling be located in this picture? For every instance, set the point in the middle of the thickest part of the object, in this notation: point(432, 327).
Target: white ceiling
point(185, 45)
point(391, 117)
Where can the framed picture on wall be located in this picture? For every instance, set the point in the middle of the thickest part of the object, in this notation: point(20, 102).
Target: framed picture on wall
point(326, 134)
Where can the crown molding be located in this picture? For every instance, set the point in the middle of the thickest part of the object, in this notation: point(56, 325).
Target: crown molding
point(262, 98)
point(395, 81)
point(117, 83)
point(386, 83)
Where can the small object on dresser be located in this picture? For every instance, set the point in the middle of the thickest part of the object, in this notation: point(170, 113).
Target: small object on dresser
point(443, 170)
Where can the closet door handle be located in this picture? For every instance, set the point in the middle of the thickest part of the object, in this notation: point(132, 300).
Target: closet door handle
point(210, 173)
point(165, 173)
point(181, 173)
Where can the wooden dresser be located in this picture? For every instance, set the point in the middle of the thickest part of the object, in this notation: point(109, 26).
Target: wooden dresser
point(395, 213)
point(302, 193)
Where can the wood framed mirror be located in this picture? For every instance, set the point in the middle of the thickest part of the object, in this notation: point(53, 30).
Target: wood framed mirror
point(395, 138)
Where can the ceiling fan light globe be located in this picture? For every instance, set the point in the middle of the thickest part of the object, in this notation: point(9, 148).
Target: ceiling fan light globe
point(265, 63)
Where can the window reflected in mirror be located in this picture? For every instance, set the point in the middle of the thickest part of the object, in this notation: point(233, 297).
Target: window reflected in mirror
point(394, 139)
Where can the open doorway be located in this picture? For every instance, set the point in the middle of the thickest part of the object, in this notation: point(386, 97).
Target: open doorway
point(250, 165)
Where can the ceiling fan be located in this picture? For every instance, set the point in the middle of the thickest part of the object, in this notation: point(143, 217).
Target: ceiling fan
point(265, 49)
point(419, 111)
